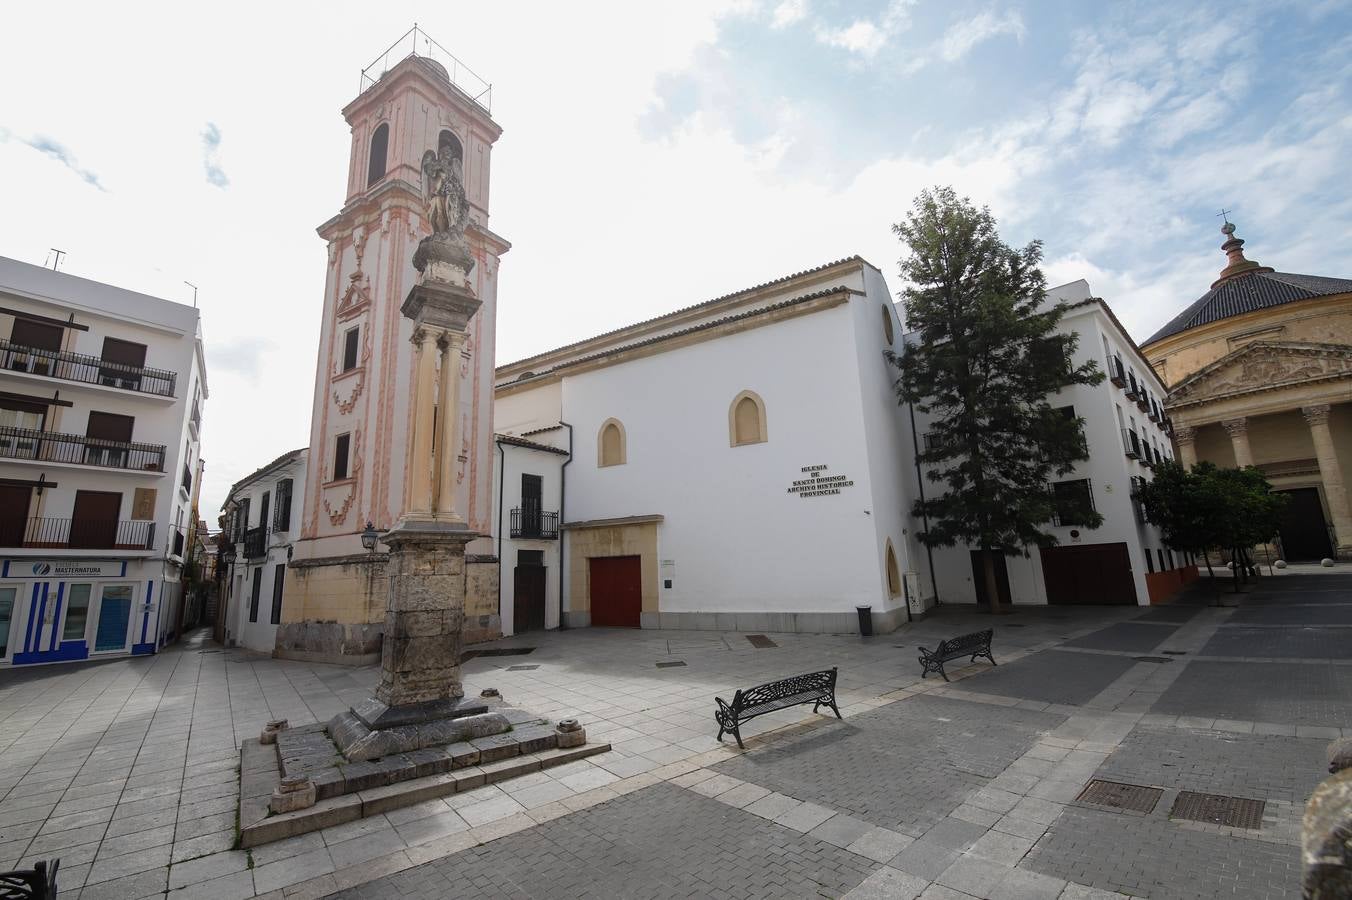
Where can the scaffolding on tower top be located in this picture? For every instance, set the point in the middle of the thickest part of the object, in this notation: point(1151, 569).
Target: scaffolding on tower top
point(416, 42)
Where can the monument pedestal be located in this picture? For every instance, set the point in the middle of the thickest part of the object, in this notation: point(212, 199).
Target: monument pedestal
point(419, 701)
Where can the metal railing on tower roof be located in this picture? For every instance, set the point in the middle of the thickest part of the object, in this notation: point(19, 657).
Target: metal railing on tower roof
point(416, 42)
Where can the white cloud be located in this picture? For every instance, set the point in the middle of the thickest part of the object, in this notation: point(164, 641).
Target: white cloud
point(211, 147)
point(865, 37)
point(789, 12)
point(959, 40)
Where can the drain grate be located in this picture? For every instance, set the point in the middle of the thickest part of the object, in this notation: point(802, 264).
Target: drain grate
point(1153, 659)
point(670, 665)
point(496, 651)
point(1216, 809)
point(1115, 795)
point(1015, 625)
point(760, 641)
point(521, 668)
point(1176, 652)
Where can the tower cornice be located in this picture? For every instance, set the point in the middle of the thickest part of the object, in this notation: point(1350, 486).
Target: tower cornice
point(418, 73)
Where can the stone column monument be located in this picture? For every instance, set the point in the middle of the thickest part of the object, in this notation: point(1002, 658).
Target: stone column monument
point(419, 701)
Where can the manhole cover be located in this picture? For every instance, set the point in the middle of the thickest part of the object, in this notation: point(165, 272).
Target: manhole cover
point(1216, 809)
point(1115, 795)
point(521, 668)
point(669, 665)
point(208, 651)
point(1153, 659)
point(760, 641)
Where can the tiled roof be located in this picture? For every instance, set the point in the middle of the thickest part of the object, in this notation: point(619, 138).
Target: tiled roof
point(529, 445)
point(276, 463)
point(685, 309)
point(1247, 293)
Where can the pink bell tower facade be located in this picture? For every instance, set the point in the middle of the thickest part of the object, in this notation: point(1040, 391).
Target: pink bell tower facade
point(334, 602)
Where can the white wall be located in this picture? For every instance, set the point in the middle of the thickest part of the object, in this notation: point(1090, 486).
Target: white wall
point(514, 461)
point(261, 635)
point(739, 541)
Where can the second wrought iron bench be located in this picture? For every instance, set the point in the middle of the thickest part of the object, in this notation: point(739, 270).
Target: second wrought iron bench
point(977, 644)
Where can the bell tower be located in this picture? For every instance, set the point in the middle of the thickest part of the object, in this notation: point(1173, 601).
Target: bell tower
point(415, 99)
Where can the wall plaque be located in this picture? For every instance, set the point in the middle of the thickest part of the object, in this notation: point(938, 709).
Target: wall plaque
point(817, 483)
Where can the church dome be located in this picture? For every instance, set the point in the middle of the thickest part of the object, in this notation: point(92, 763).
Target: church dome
point(1244, 286)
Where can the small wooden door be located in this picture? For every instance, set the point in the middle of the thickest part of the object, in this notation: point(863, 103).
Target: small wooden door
point(1303, 532)
point(93, 524)
point(616, 591)
point(528, 600)
point(1097, 574)
point(14, 502)
point(979, 578)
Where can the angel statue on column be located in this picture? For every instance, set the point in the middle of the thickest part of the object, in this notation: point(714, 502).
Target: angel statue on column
point(444, 192)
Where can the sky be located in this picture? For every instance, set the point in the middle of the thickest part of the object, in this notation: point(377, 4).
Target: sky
point(655, 155)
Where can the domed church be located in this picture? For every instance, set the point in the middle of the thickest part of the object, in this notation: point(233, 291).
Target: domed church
point(1259, 372)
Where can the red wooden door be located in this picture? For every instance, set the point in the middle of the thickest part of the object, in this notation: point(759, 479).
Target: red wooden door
point(616, 591)
point(14, 502)
point(1097, 574)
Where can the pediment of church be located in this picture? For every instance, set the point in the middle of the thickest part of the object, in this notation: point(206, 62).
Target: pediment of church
point(1264, 366)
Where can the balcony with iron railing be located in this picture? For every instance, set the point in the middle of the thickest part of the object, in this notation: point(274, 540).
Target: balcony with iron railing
point(77, 534)
point(256, 542)
point(1132, 443)
point(535, 524)
point(79, 449)
point(1117, 373)
point(85, 369)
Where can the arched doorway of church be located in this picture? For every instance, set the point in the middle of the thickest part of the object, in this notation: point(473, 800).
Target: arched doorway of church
point(1304, 533)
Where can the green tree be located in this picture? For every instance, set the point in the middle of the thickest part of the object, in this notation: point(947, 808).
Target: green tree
point(1210, 507)
point(987, 360)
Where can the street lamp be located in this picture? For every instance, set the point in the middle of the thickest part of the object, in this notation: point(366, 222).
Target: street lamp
point(369, 537)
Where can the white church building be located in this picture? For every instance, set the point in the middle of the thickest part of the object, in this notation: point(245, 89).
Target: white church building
point(743, 464)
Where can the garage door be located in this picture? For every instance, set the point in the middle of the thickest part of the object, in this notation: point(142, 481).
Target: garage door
point(616, 591)
point(1098, 574)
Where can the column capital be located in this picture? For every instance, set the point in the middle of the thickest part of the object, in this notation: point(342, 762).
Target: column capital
point(419, 336)
point(1236, 427)
point(1318, 414)
point(1185, 434)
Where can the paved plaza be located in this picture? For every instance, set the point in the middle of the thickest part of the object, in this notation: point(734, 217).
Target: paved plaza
point(127, 770)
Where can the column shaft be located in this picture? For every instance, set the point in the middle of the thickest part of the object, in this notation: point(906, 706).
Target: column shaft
point(420, 478)
point(448, 437)
point(1239, 439)
point(1331, 474)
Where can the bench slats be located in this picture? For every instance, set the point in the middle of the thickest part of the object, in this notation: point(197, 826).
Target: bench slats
point(976, 645)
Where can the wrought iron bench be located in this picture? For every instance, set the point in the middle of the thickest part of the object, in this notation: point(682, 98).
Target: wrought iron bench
point(37, 883)
point(818, 688)
point(975, 645)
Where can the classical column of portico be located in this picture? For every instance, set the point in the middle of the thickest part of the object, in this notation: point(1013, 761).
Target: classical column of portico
point(1331, 474)
point(1238, 429)
point(450, 343)
point(1185, 436)
point(418, 493)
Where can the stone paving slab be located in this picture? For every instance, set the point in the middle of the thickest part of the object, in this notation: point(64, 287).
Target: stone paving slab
point(904, 766)
point(1129, 637)
point(1153, 857)
point(661, 841)
point(1294, 614)
point(1287, 693)
point(1304, 642)
point(1050, 677)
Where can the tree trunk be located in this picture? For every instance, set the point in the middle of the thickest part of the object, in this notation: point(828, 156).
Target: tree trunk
point(1236, 567)
point(992, 583)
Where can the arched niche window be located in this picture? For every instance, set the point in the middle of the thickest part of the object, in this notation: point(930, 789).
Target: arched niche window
point(610, 444)
point(448, 141)
point(746, 420)
point(380, 150)
point(893, 572)
point(888, 331)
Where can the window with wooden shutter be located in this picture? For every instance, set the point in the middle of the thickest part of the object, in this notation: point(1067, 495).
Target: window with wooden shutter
point(351, 343)
point(27, 333)
point(340, 450)
point(282, 517)
point(278, 577)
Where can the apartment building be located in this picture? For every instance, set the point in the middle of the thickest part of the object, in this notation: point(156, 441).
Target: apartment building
point(1122, 561)
point(101, 398)
point(260, 518)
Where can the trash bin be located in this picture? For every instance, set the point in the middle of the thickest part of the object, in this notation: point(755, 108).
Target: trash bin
point(865, 620)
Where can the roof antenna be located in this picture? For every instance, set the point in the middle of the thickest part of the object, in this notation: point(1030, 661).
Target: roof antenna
point(56, 265)
point(194, 293)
